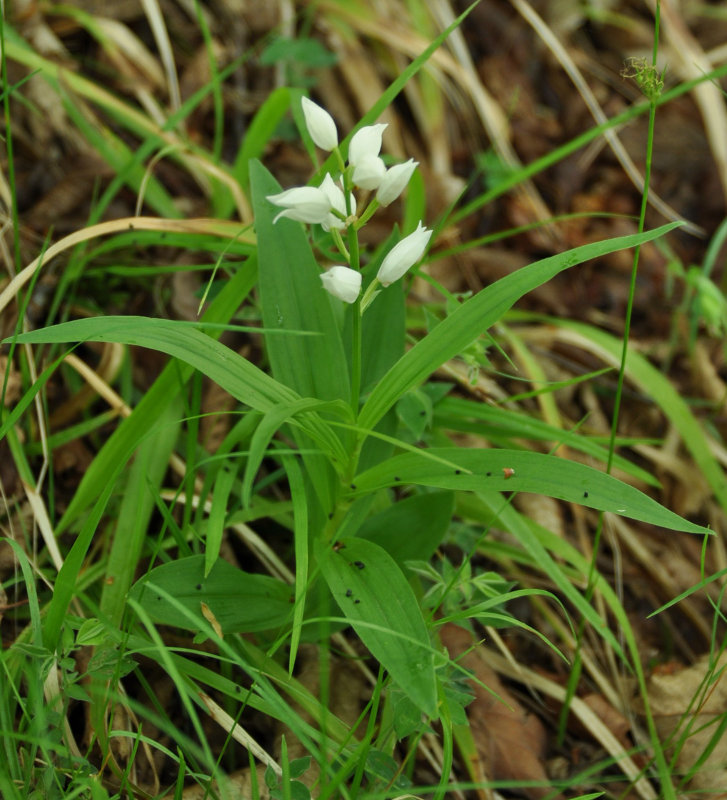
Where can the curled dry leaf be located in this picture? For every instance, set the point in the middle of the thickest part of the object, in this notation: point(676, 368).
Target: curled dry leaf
point(510, 740)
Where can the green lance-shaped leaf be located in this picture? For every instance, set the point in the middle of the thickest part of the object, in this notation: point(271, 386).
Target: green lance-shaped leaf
point(242, 602)
point(461, 328)
point(292, 298)
point(376, 598)
point(491, 470)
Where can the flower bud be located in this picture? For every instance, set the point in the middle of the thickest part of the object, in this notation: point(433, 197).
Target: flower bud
point(395, 181)
point(320, 124)
point(304, 204)
point(343, 283)
point(403, 256)
point(369, 172)
point(365, 143)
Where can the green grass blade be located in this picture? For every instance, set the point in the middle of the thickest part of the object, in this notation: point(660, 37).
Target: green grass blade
point(66, 585)
point(167, 386)
point(473, 317)
point(301, 545)
point(215, 529)
point(138, 502)
point(650, 380)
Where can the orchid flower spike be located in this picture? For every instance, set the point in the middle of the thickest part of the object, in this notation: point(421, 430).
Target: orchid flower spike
point(320, 124)
point(343, 283)
point(395, 181)
point(303, 204)
point(403, 256)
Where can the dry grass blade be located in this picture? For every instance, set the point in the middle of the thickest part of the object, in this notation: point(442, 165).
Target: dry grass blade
point(42, 520)
point(159, 29)
point(461, 70)
point(229, 230)
point(97, 385)
point(239, 734)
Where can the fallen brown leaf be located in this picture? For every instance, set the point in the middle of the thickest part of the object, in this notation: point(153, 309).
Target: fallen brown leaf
point(510, 740)
point(689, 704)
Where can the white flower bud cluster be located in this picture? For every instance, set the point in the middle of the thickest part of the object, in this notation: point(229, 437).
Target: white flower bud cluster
point(327, 205)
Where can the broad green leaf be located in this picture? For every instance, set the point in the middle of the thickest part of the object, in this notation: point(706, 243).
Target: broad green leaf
point(376, 598)
point(293, 299)
point(455, 333)
point(383, 332)
point(242, 602)
point(494, 470)
point(412, 528)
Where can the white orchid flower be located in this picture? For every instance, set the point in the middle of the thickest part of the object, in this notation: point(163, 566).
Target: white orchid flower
point(337, 199)
point(303, 204)
point(403, 256)
point(395, 181)
point(320, 124)
point(369, 172)
point(343, 283)
point(365, 143)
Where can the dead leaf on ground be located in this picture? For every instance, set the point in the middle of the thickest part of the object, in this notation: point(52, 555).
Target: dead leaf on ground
point(511, 741)
point(688, 706)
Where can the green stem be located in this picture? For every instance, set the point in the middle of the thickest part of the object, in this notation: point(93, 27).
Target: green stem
point(355, 263)
point(356, 328)
point(590, 587)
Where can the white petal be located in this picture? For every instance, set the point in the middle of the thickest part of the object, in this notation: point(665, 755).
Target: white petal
point(343, 283)
point(320, 124)
point(395, 181)
point(334, 193)
point(369, 173)
point(303, 203)
point(365, 143)
point(403, 256)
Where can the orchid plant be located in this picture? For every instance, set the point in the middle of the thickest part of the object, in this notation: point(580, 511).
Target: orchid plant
point(333, 204)
point(367, 497)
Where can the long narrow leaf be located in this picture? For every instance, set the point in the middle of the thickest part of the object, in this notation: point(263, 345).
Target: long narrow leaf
point(494, 470)
point(461, 328)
